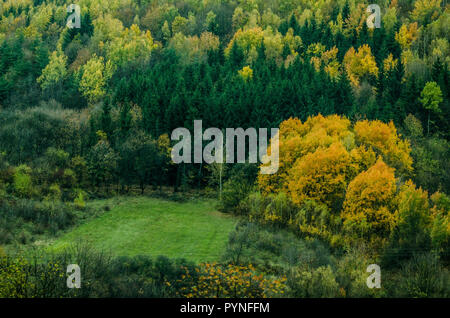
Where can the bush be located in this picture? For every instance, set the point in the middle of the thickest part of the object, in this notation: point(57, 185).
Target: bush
point(14, 280)
point(236, 189)
point(101, 275)
point(79, 202)
point(317, 283)
point(422, 276)
point(233, 281)
point(233, 195)
point(273, 250)
point(54, 193)
point(351, 274)
point(23, 185)
point(34, 216)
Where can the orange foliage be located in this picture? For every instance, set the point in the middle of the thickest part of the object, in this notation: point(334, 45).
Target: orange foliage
point(214, 280)
point(296, 139)
point(369, 205)
point(360, 64)
point(322, 175)
point(384, 140)
point(349, 170)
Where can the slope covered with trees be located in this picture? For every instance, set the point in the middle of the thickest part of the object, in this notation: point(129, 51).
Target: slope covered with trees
point(363, 115)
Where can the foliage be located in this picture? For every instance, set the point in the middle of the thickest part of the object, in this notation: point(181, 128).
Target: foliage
point(84, 111)
point(369, 207)
point(95, 76)
point(22, 181)
point(360, 64)
point(431, 97)
point(231, 281)
point(54, 72)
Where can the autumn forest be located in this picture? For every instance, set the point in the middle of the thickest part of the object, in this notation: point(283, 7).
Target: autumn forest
point(86, 172)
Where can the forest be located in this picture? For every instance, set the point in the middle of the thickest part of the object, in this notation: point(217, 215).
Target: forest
point(87, 114)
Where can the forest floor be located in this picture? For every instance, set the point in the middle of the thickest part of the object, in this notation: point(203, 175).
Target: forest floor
point(193, 230)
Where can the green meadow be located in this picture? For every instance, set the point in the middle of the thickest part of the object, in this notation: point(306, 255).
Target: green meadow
point(194, 230)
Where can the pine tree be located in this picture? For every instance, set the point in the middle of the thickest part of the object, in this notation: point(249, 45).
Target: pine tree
point(236, 57)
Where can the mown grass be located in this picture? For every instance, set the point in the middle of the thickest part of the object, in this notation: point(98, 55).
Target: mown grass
point(194, 230)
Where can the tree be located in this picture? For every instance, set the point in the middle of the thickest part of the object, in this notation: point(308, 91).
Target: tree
point(332, 170)
point(210, 23)
point(138, 159)
point(426, 10)
point(95, 74)
point(360, 64)
point(105, 118)
point(246, 73)
point(321, 176)
point(102, 162)
point(412, 233)
point(369, 207)
point(384, 140)
point(55, 71)
point(431, 97)
point(132, 45)
point(179, 24)
point(407, 35)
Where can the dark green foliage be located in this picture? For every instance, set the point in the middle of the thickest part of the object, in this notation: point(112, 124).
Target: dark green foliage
point(239, 184)
point(423, 276)
point(101, 274)
point(55, 148)
point(22, 220)
point(273, 249)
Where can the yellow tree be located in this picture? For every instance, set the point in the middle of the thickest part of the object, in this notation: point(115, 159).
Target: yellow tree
point(426, 10)
point(407, 35)
point(132, 45)
point(321, 176)
point(248, 40)
point(385, 141)
point(179, 24)
point(193, 48)
point(54, 72)
point(369, 209)
point(95, 74)
point(332, 164)
point(246, 73)
point(360, 64)
point(326, 58)
point(296, 139)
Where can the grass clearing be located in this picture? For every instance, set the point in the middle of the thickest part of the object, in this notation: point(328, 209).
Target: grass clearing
point(194, 230)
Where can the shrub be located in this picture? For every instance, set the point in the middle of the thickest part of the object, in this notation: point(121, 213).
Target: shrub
point(233, 195)
point(351, 273)
point(233, 281)
point(14, 280)
point(37, 217)
point(23, 185)
point(317, 283)
point(422, 276)
point(54, 193)
point(79, 202)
